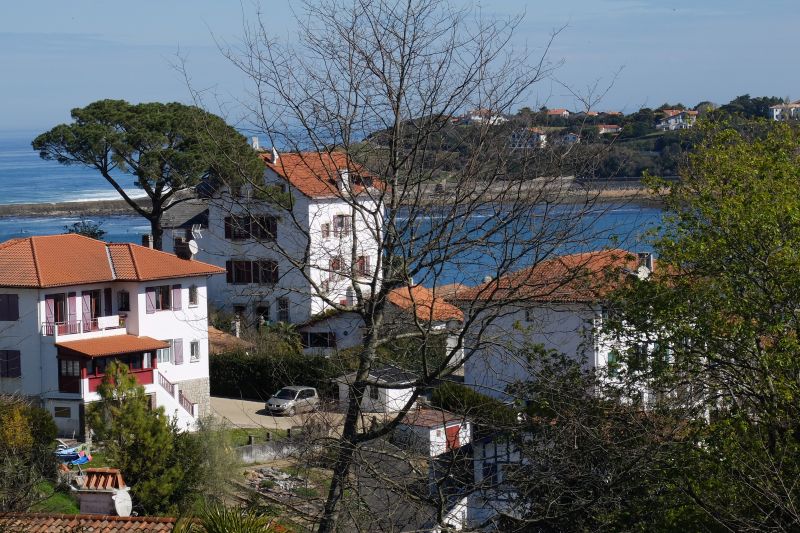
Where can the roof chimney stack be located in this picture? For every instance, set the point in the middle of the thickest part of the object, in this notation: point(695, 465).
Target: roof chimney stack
point(275, 155)
point(646, 260)
point(256, 145)
point(147, 240)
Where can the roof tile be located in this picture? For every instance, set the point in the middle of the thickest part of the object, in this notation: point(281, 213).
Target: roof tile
point(115, 344)
point(315, 174)
point(57, 523)
point(426, 306)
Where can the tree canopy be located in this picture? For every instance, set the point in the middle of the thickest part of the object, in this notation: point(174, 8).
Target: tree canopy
point(168, 148)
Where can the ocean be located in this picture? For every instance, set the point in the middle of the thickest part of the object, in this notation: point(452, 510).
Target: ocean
point(26, 178)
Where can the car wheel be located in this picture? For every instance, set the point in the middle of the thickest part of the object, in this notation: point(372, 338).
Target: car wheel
point(291, 411)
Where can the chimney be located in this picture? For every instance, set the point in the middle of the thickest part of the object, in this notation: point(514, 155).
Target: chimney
point(645, 260)
point(344, 179)
point(236, 327)
point(255, 144)
point(147, 240)
point(275, 155)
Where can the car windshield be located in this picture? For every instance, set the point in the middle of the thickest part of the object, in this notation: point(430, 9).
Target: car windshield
point(286, 394)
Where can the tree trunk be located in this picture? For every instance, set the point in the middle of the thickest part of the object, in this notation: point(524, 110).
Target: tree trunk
point(157, 231)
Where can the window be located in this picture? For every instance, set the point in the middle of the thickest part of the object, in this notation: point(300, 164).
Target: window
point(9, 307)
point(251, 227)
point(194, 351)
point(335, 268)
point(193, 295)
point(283, 310)
point(60, 411)
point(267, 272)
point(326, 230)
point(158, 298)
point(319, 339)
point(70, 368)
point(262, 314)
point(528, 315)
point(362, 265)
point(613, 363)
point(123, 301)
point(374, 393)
point(341, 225)
point(10, 364)
point(164, 355)
point(239, 272)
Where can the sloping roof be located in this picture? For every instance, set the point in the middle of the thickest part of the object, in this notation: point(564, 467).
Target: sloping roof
point(559, 111)
point(70, 259)
point(221, 342)
point(430, 418)
point(60, 523)
point(584, 277)
point(426, 306)
point(387, 373)
point(113, 345)
point(315, 174)
point(186, 213)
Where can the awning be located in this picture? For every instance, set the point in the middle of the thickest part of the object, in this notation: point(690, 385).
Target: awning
point(112, 345)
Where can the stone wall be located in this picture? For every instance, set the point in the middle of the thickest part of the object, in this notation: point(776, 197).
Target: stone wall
point(197, 390)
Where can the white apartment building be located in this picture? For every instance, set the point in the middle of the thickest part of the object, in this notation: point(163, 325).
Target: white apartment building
point(311, 229)
point(69, 305)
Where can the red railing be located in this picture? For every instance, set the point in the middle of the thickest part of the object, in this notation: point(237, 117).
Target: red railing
point(143, 376)
point(166, 384)
point(186, 403)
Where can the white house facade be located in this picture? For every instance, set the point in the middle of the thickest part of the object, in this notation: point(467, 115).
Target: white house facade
point(69, 305)
point(677, 120)
point(307, 234)
point(380, 399)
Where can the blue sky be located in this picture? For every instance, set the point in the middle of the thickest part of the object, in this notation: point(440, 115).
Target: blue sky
point(56, 55)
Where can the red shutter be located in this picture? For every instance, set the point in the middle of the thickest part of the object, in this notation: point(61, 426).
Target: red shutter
point(177, 348)
point(228, 229)
point(150, 299)
point(49, 308)
point(176, 298)
point(72, 316)
point(229, 271)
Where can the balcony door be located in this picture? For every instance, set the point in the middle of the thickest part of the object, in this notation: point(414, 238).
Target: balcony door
point(91, 309)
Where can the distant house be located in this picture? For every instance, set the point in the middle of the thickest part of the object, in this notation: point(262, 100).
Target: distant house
point(407, 305)
point(676, 119)
point(608, 128)
point(485, 116)
point(782, 112)
point(379, 399)
point(70, 305)
point(527, 139)
point(560, 112)
point(569, 138)
point(432, 432)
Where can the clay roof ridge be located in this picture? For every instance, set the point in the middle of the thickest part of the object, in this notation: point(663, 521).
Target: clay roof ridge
point(35, 262)
point(110, 262)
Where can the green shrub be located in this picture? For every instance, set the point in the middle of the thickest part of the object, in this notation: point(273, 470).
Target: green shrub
point(482, 409)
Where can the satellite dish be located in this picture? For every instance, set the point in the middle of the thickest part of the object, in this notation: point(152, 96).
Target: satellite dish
point(193, 246)
point(122, 502)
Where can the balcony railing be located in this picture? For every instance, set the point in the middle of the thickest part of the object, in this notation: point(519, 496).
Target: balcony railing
point(143, 376)
point(74, 327)
point(186, 403)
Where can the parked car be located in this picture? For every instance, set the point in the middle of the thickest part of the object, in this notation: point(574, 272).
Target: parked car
point(294, 399)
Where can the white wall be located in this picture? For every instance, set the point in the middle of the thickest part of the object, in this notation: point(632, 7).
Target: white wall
point(23, 335)
point(388, 401)
point(431, 441)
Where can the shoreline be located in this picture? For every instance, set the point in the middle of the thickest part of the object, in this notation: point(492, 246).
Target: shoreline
point(104, 208)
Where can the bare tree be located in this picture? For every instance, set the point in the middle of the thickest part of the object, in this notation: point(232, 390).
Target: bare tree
point(379, 84)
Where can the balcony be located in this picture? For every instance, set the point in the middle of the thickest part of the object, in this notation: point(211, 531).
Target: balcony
point(143, 376)
point(75, 327)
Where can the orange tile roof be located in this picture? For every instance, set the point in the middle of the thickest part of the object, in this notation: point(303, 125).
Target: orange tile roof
point(60, 523)
point(584, 277)
point(221, 342)
point(315, 174)
point(103, 479)
point(70, 259)
point(113, 345)
point(559, 111)
point(426, 306)
point(430, 418)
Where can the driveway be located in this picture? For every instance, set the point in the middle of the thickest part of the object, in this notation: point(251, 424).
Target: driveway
point(249, 414)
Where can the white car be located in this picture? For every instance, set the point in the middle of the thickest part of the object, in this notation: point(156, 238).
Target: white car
point(291, 400)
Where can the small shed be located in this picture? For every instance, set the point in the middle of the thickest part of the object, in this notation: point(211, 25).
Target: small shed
point(432, 432)
point(102, 491)
point(379, 399)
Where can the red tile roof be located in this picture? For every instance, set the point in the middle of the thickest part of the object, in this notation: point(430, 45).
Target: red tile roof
point(430, 418)
point(585, 277)
point(315, 174)
point(113, 345)
point(221, 342)
point(70, 259)
point(559, 111)
point(426, 306)
point(64, 523)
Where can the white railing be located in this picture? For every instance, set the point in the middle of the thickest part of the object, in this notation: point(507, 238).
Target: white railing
point(73, 327)
point(171, 388)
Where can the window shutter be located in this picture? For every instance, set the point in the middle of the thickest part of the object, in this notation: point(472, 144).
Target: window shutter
point(228, 229)
point(107, 310)
point(49, 309)
point(3, 364)
point(346, 226)
point(13, 366)
point(150, 299)
point(86, 311)
point(176, 298)
point(229, 271)
point(177, 348)
point(72, 299)
point(9, 307)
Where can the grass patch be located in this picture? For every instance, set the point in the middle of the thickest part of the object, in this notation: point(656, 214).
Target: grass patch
point(306, 492)
point(239, 436)
point(56, 500)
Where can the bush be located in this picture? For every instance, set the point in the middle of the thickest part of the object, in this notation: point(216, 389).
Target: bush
point(258, 376)
point(482, 409)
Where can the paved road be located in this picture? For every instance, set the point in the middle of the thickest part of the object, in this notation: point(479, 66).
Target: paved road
point(248, 414)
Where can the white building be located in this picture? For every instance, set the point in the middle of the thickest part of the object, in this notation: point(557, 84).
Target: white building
point(608, 128)
point(409, 307)
point(558, 113)
point(528, 138)
point(558, 303)
point(485, 116)
point(432, 432)
point(785, 111)
point(69, 305)
point(380, 399)
point(676, 119)
point(287, 244)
